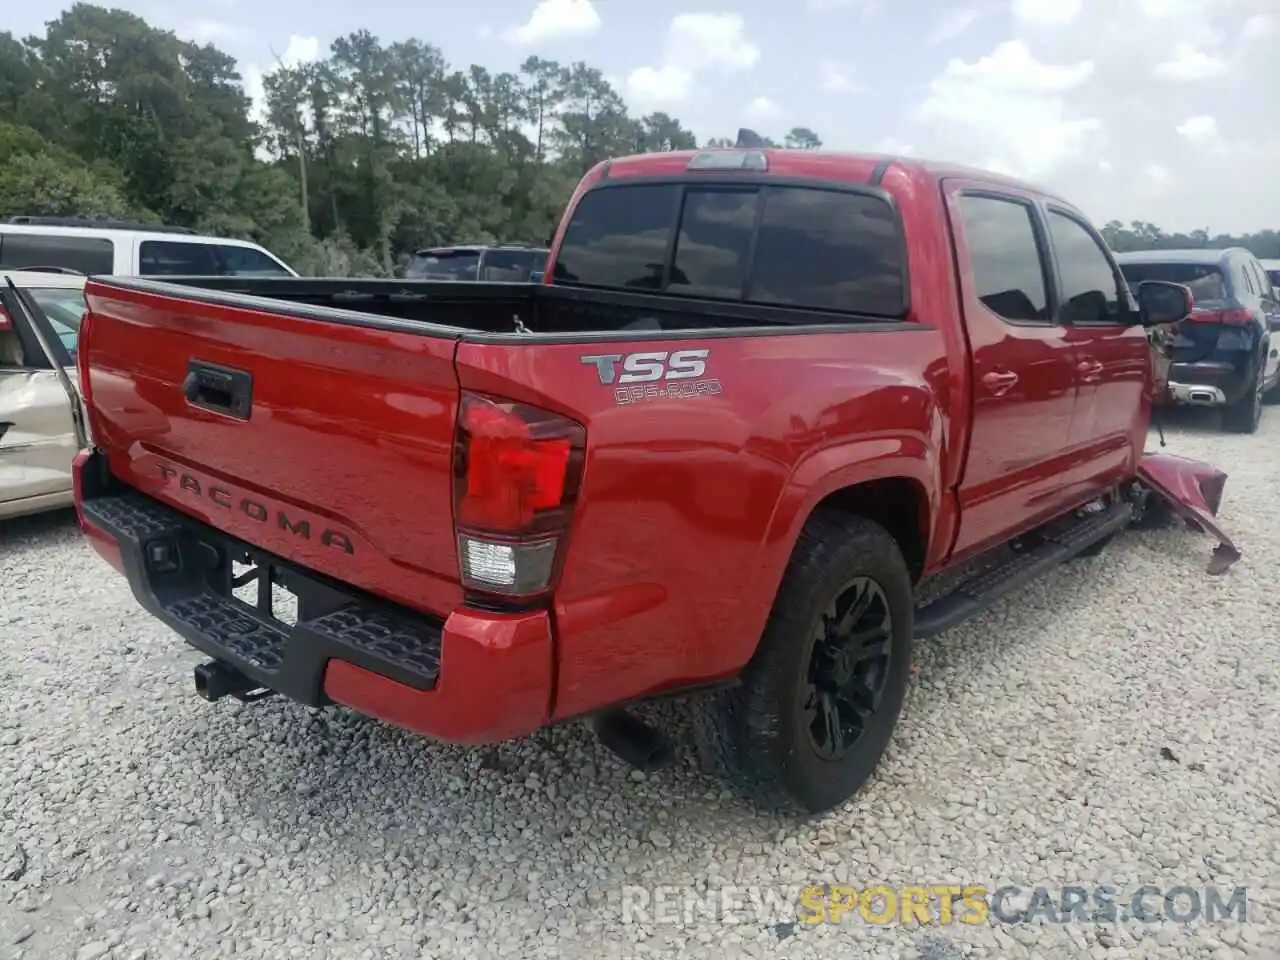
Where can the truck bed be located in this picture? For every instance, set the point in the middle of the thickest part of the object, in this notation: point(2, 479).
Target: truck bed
point(479, 311)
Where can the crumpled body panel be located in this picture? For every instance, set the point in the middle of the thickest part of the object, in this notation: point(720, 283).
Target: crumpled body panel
point(1192, 490)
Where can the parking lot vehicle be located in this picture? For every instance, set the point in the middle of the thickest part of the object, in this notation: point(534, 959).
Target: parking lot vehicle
point(503, 263)
point(1227, 352)
point(771, 416)
point(129, 248)
point(1273, 271)
point(37, 432)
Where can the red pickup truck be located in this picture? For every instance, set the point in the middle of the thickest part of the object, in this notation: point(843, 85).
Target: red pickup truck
point(770, 416)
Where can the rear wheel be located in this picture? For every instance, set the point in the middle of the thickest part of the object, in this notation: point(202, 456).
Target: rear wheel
point(818, 702)
point(1245, 414)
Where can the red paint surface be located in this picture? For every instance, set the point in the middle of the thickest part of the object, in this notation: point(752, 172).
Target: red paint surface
point(1193, 490)
point(495, 682)
point(689, 508)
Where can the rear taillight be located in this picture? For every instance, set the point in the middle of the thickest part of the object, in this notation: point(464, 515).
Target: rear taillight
point(1235, 317)
point(517, 470)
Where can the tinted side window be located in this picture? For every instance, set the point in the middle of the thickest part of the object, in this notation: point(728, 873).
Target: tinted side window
point(86, 255)
point(1090, 293)
point(1261, 282)
point(1005, 258)
point(246, 261)
point(161, 258)
point(714, 243)
point(618, 237)
point(829, 250)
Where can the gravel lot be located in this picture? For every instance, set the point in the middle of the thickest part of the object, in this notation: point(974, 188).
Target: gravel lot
point(1115, 724)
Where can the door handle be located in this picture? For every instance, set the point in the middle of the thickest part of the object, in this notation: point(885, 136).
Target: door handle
point(1089, 370)
point(999, 382)
point(221, 389)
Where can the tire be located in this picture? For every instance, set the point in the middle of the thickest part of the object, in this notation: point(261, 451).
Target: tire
point(1245, 414)
point(758, 735)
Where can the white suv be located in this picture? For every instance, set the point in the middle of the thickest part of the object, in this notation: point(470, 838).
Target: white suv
point(129, 249)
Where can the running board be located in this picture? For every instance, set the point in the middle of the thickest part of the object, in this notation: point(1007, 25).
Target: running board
point(1060, 542)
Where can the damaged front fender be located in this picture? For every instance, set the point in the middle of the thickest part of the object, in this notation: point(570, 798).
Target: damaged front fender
point(1192, 491)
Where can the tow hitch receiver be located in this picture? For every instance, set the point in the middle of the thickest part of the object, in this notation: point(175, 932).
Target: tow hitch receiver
point(215, 680)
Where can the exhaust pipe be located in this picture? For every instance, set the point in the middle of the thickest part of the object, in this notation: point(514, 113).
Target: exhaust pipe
point(637, 743)
point(215, 680)
point(1197, 396)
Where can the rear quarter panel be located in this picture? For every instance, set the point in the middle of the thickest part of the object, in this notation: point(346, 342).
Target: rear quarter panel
point(691, 505)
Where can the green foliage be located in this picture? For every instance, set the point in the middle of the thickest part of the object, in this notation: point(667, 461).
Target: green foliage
point(359, 159)
point(1139, 235)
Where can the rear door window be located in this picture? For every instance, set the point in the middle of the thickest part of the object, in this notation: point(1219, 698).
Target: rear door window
point(831, 250)
point(65, 308)
point(174, 258)
point(444, 265)
point(1090, 293)
point(802, 247)
point(87, 255)
point(714, 246)
point(1205, 281)
point(511, 266)
point(619, 237)
point(1004, 256)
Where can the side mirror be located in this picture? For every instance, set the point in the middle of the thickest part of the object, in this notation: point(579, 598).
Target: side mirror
point(535, 276)
point(1161, 302)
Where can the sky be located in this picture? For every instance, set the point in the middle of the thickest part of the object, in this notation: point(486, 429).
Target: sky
point(1155, 110)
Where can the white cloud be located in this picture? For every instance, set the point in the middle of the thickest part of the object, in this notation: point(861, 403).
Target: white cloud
point(300, 50)
point(1258, 27)
point(555, 20)
point(953, 23)
point(1008, 111)
point(702, 40)
point(892, 145)
point(762, 109)
point(867, 8)
point(207, 30)
point(667, 84)
point(1199, 130)
point(1191, 64)
point(1085, 109)
point(1046, 13)
point(695, 43)
point(1159, 176)
point(839, 78)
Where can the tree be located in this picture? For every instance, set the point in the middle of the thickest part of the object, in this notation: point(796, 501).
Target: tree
point(361, 157)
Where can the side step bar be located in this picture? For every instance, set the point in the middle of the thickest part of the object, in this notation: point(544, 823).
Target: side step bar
point(977, 593)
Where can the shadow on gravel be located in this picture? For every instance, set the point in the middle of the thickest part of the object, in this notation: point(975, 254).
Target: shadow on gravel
point(1196, 420)
point(35, 530)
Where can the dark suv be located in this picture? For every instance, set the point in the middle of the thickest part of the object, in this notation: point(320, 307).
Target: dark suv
point(507, 262)
point(1227, 353)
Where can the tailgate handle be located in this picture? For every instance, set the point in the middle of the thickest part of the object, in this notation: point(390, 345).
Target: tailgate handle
point(220, 389)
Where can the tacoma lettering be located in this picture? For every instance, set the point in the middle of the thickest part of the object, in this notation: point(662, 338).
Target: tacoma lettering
point(256, 510)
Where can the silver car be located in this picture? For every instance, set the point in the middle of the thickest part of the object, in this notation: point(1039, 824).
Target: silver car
point(38, 437)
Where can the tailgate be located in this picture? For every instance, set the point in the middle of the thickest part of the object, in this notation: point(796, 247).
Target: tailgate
point(326, 443)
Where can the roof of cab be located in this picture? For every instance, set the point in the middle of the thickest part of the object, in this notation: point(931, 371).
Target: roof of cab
point(833, 165)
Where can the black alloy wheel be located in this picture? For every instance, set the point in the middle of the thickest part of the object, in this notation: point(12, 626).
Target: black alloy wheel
point(848, 668)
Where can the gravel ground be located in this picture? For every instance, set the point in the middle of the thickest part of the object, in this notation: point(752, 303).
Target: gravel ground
point(1115, 724)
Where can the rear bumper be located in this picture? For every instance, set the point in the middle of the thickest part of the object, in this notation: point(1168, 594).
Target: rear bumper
point(475, 677)
point(1207, 382)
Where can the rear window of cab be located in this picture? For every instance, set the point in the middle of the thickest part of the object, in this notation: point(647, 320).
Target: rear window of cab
point(802, 247)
